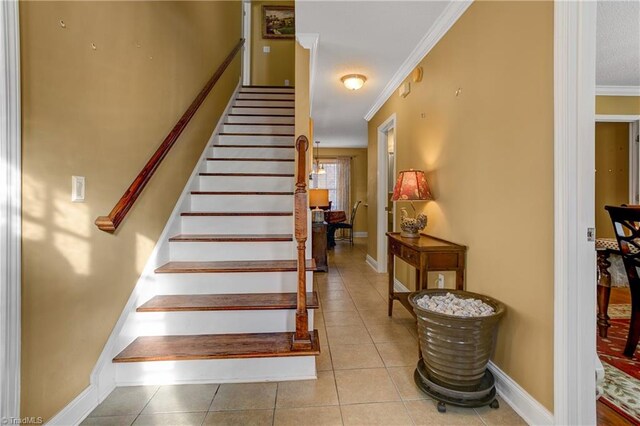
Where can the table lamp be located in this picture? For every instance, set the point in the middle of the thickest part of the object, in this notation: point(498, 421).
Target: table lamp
point(317, 198)
point(411, 186)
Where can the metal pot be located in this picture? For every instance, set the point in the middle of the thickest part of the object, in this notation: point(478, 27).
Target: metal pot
point(456, 350)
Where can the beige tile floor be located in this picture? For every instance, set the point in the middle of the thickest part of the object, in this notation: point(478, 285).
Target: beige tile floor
point(365, 372)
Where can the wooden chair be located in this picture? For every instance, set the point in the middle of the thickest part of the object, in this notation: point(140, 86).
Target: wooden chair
point(626, 224)
point(349, 225)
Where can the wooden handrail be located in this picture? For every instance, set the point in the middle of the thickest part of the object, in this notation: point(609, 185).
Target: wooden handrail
point(111, 222)
point(301, 338)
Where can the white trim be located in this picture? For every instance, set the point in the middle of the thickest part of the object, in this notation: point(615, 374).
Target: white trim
point(103, 377)
point(618, 90)
point(10, 210)
point(399, 287)
point(574, 191)
point(310, 41)
point(381, 214)
point(522, 403)
point(246, 49)
point(617, 118)
point(372, 262)
point(361, 234)
point(445, 21)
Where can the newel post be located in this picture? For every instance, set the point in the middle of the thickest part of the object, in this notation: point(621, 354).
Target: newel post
point(301, 338)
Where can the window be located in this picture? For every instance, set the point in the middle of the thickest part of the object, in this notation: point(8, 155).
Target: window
point(328, 180)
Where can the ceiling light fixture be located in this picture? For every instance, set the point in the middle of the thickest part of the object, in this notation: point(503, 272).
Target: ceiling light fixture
point(353, 81)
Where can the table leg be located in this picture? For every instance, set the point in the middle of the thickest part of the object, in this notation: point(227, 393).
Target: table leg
point(460, 279)
point(604, 291)
point(391, 273)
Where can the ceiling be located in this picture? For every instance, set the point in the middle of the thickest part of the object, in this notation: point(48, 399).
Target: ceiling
point(375, 38)
point(372, 38)
point(618, 43)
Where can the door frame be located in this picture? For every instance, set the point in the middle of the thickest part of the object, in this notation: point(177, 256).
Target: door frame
point(634, 151)
point(574, 215)
point(246, 34)
point(10, 210)
point(383, 189)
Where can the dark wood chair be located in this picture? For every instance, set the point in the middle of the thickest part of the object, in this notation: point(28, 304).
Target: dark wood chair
point(349, 225)
point(626, 224)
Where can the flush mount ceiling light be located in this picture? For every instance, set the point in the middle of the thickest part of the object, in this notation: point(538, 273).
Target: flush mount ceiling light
point(353, 81)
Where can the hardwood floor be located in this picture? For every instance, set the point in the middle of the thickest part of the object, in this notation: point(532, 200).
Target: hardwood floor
point(607, 416)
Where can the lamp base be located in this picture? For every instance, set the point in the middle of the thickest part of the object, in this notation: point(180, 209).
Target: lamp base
point(411, 227)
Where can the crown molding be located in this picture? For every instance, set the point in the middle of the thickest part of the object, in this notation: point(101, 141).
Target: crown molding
point(439, 28)
point(310, 41)
point(617, 90)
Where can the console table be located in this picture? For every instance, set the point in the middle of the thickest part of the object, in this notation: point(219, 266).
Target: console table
point(425, 254)
point(319, 246)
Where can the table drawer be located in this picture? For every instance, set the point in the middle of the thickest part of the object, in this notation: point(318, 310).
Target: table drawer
point(443, 261)
point(395, 248)
point(410, 256)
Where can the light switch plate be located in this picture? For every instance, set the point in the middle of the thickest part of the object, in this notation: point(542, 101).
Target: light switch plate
point(77, 189)
point(286, 82)
point(266, 49)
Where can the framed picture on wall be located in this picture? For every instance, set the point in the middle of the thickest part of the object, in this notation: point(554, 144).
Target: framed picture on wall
point(278, 22)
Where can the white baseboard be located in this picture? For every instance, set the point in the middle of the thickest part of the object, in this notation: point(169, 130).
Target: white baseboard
point(398, 286)
point(103, 377)
point(360, 234)
point(524, 404)
point(372, 262)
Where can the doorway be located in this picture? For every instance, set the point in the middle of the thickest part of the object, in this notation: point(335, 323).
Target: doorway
point(386, 179)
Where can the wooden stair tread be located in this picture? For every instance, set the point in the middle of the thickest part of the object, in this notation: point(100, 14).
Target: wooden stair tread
point(241, 193)
point(254, 146)
point(287, 160)
point(260, 115)
point(263, 107)
point(267, 99)
point(177, 267)
point(259, 124)
point(214, 346)
point(267, 87)
point(256, 134)
point(249, 174)
point(223, 214)
point(226, 302)
point(231, 237)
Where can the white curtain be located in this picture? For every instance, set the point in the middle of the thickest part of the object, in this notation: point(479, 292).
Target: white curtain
point(343, 190)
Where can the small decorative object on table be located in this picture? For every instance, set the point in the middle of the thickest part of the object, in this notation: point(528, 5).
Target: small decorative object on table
point(457, 331)
point(412, 186)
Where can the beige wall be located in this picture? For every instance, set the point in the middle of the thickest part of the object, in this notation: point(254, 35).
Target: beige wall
point(270, 69)
point(101, 114)
point(488, 154)
point(612, 172)
point(618, 105)
point(358, 180)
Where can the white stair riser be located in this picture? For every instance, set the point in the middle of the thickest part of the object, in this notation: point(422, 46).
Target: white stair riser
point(262, 95)
point(221, 251)
point(258, 129)
point(245, 183)
point(262, 103)
point(238, 119)
point(229, 283)
point(221, 151)
point(250, 167)
point(255, 140)
point(258, 110)
point(237, 224)
point(215, 371)
point(211, 322)
point(241, 203)
point(268, 89)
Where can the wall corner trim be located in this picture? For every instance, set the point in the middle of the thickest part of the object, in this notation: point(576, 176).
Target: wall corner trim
point(617, 90)
point(310, 41)
point(522, 403)
point(439, 28)
point(10, 210)
point(372, 263)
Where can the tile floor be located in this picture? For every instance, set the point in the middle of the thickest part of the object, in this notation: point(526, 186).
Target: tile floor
point(365, 372)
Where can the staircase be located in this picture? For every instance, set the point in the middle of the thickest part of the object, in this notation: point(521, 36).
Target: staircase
point(224, 305)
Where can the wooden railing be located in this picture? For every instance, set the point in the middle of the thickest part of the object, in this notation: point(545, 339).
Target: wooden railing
point(301, 338)
point(111, 222)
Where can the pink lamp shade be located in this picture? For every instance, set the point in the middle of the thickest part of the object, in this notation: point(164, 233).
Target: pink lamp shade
point(411, 186)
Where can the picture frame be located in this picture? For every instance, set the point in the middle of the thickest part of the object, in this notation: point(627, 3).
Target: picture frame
point(278, 22)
